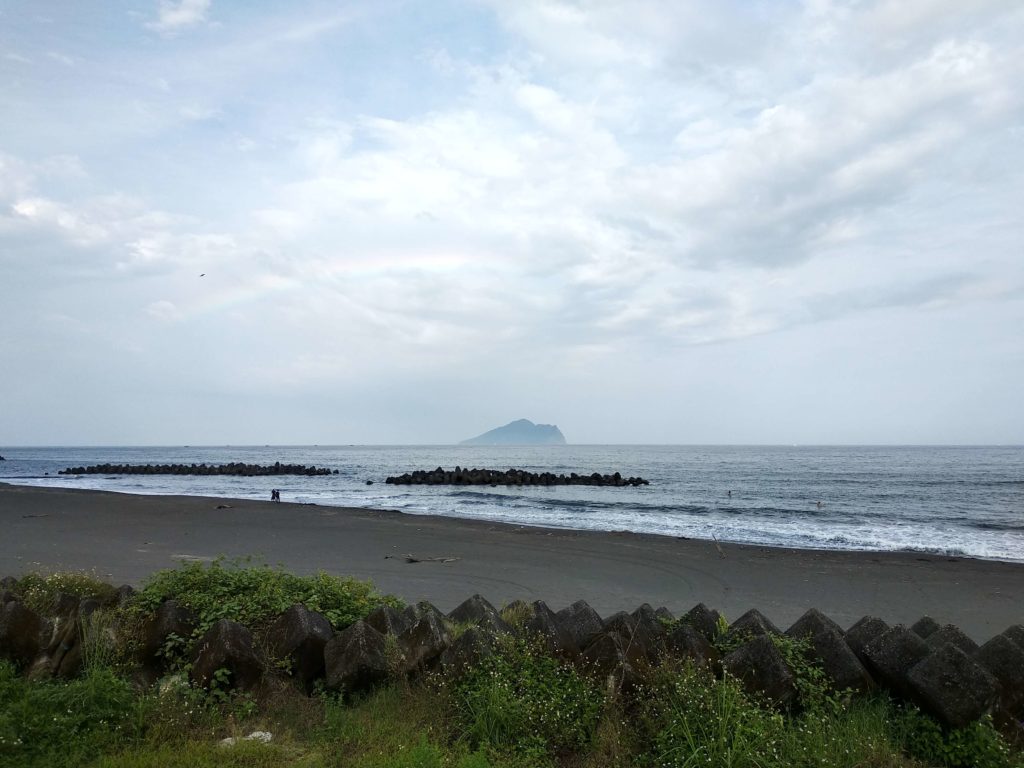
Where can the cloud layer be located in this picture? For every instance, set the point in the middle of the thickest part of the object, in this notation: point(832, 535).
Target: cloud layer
point(645, 221)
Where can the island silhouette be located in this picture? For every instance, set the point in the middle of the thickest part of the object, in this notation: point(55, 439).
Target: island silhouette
point(519, 432)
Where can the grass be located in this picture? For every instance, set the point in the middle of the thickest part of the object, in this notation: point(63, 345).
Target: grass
point(523, 703)
point(394, 726)
point(208, 755)
point(57, 724)
point(693, 719)
point(516, 614)
point(517, 709)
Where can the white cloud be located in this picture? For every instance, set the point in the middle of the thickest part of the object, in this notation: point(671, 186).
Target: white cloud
point(198, 251)
point(174, 16)
point(115, 230)
point(566, 31)
point(80, 228)
point(838, 147)
point(593, 182)
point(15, 178)
point(900, 17)
point(61, 167)
point(62, 58)
point(163, 310)
point(198, 113)
point(533, 180)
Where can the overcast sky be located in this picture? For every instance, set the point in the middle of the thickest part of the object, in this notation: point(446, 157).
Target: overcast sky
point(689, 221)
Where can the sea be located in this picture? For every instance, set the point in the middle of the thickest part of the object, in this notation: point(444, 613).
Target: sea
point(952, 501)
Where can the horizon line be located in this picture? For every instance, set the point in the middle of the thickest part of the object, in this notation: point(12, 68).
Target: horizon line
point(516, 445)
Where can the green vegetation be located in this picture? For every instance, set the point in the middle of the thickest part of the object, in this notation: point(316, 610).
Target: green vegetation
point(682, 717)
point(394, 727)
point(516, 614)
point(254, 595)
point(691, 718)
point(41, 592)
point(813, 686)
point(523, 703)
point(976, 746)
point(66, 724)
point(516, 709)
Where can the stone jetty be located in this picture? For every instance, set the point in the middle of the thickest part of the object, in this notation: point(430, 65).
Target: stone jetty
point(460, 476)
point(235, 468)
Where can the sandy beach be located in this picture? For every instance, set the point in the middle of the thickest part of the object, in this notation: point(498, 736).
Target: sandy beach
point(124, 538)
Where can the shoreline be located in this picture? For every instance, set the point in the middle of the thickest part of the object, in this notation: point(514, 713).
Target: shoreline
point(125, 537)
point(924, 553)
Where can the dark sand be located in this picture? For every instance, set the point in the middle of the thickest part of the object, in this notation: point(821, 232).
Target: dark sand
point(124, 538)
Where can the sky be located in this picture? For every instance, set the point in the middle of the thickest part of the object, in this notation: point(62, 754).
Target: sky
point(678, 221)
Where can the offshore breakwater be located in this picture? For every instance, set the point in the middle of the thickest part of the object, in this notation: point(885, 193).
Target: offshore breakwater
point(237, 469)
point(495, 477)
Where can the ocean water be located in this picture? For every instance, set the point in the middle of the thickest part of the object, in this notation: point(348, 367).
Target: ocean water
point(959, 501)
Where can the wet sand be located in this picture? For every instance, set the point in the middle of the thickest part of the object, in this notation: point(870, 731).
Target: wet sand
point(124, 538)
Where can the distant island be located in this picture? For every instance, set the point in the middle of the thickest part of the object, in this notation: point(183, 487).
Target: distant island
point(520, 432)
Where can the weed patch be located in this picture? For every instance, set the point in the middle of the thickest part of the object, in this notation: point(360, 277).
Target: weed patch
point(40, 592)
point(54, 724)
point(194, 754)
point(254, 595)
point(978, 745)
point(522, 702)
point(396, 727)
point(693, 719)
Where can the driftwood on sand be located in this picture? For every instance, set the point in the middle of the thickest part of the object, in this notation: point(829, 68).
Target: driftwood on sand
point(414, 559)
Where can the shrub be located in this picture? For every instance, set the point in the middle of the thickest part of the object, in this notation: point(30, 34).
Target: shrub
point(40, 592)
point(977, 745)
point(814, 687)
point(254, 595)
point(522, 702)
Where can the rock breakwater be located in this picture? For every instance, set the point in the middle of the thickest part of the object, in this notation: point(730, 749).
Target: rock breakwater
point(234, 468)
point(460, 476)
point(936, 668)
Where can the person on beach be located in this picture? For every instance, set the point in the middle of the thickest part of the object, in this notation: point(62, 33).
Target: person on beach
point(275, 495)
